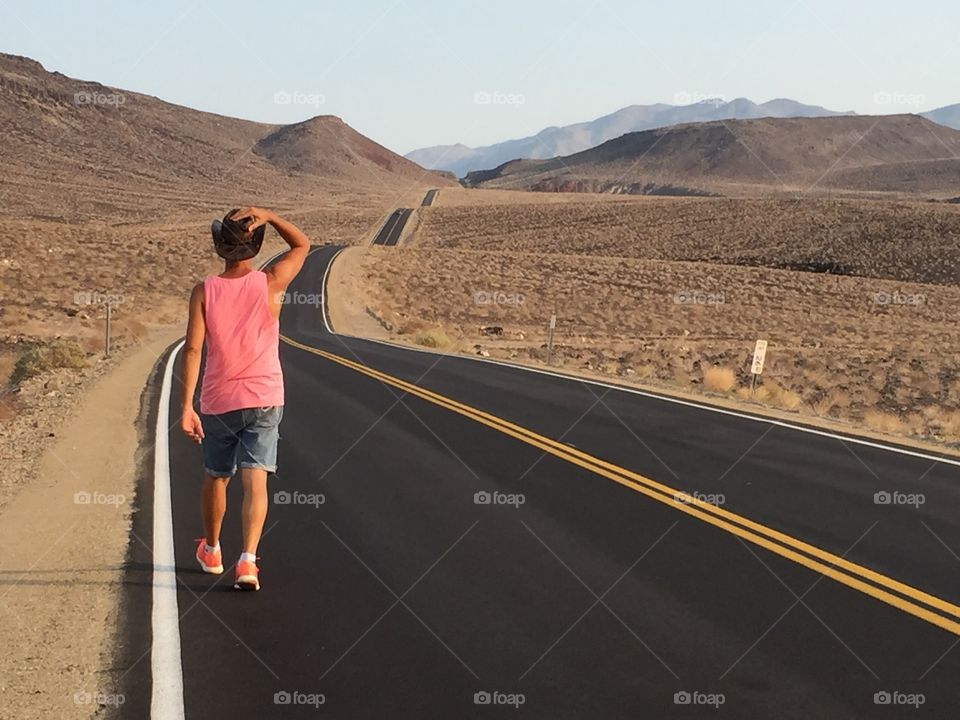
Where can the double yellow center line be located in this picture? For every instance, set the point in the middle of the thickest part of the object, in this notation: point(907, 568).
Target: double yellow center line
point(904, 597)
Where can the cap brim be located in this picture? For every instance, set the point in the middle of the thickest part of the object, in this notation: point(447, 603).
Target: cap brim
point(215, 227)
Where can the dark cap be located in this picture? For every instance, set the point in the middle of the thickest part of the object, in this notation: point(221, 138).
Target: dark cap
point(231, 241)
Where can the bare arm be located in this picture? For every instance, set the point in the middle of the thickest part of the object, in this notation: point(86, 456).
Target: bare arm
point(282, 272)
point(192, 350)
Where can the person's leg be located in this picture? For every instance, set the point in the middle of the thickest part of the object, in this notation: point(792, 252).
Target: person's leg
point(257, 457)
point(213, 505)
point(255, 502)
point(219, 461)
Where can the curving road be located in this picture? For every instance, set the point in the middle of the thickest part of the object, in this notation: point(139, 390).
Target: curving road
point(456, 538)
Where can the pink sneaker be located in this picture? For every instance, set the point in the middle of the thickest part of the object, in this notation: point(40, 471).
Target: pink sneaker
point(211, 561)
point(247, 572)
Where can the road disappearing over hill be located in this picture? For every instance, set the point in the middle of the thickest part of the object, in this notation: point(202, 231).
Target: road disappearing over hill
point(393, 227)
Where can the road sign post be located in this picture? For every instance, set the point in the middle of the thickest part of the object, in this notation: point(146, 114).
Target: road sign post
point(553, 326)
point(106, 333)
point(759, 357)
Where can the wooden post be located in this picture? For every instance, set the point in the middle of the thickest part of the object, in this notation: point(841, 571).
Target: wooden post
point(553, 325)
point(106, 337)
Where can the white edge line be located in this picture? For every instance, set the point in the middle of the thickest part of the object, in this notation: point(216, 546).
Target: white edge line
point(166, 702)
point(323, 292)
point(652, 395)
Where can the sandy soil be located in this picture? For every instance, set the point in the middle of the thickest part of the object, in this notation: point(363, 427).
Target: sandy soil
point(349, 305)
point(64, 538)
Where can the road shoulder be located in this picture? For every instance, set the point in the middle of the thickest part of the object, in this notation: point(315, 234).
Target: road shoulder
point(65, 539)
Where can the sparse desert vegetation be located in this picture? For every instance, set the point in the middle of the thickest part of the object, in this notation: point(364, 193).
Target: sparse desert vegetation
point(43, 358)
point(910, 241)
point(674, 293)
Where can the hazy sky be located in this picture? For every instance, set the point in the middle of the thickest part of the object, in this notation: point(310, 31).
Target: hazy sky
point(410, 73)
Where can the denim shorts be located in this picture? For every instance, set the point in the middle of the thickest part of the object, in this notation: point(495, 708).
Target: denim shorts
point(246, 438)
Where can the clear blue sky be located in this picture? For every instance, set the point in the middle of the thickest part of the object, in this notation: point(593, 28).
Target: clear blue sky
point(407, 72)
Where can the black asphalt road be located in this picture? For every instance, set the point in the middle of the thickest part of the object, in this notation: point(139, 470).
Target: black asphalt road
point(429, 198)
point(393, 227)
point(400, 596)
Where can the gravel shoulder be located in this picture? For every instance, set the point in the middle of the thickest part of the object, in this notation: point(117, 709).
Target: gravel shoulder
point(63, 542)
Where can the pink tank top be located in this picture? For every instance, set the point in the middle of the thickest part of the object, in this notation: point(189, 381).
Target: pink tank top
point(243, 346)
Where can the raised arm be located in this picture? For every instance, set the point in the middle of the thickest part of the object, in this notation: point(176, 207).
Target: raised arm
point(286, 268)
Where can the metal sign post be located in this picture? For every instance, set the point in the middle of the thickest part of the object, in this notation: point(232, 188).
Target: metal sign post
point(553, 326)
point(759, 356)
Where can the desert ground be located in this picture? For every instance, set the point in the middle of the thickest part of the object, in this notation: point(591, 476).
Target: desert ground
point(856, 298)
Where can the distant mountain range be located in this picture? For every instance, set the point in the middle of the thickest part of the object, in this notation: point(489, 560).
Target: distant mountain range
point(948, 116)
point(559, 141)
point(569, 139)
point(863, 153)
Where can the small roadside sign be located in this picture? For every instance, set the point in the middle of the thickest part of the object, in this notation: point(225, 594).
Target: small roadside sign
point(759, 355)
point(553, 322)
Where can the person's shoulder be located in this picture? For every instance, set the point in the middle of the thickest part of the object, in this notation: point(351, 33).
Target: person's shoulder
point(198, 290)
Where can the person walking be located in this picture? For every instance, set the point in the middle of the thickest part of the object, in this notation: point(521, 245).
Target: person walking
point(236, 315)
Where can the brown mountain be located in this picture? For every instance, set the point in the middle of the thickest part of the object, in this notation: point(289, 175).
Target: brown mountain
point(897, 153)
point(76, 150)
point(328, 147)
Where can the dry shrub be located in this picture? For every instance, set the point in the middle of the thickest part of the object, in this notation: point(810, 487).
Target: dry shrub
point(433, 338)
point(946, 421)
point(642, 372)
point(42, 358)
point(831, 401)
point(781, 396)
point(883, 421)
point(915, 425)
point(719, 379)
point(760, 393)
point(822, 406)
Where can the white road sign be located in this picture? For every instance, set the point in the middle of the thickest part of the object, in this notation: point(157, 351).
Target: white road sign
point(759, 355)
